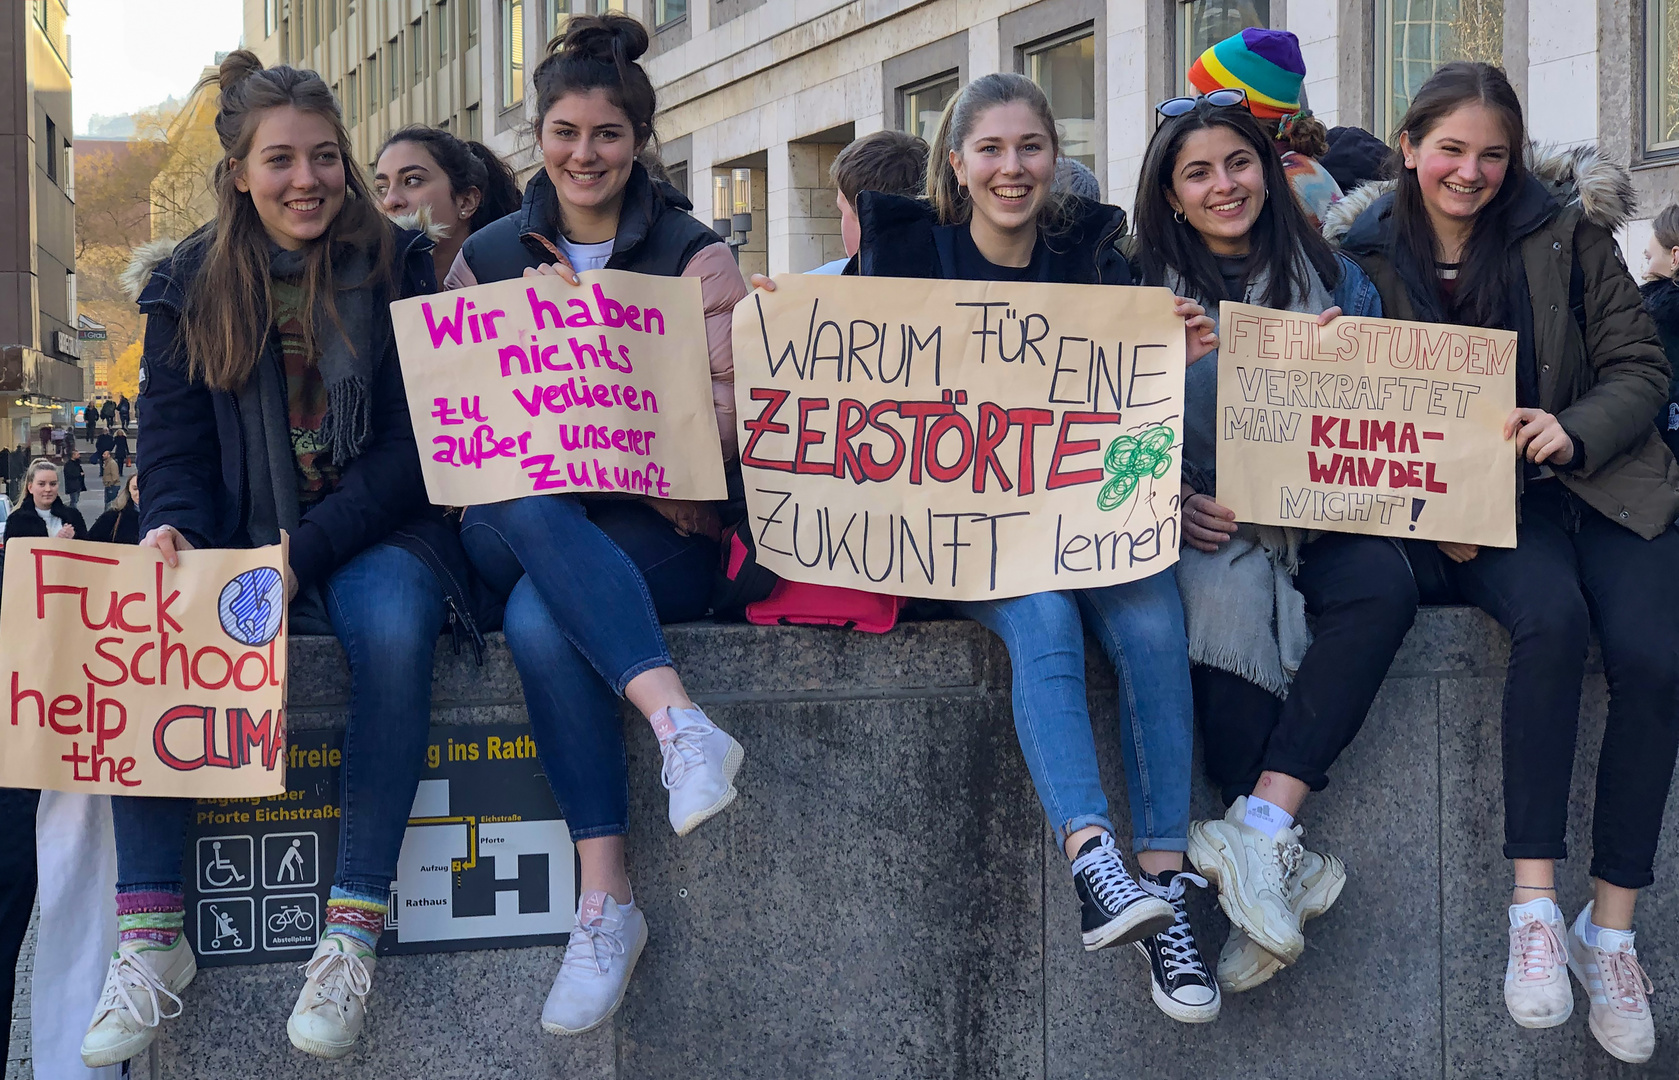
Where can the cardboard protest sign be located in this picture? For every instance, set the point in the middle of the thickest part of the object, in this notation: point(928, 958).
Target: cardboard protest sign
point(532, 386)
point(125, 677)
point(962, 439)
point(1366, 426)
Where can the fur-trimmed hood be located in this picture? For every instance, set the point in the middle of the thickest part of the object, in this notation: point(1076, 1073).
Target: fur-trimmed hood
point(154, 253)
point(1575, 175)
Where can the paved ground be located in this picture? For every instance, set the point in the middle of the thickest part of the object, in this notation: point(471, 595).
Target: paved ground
point(17, 1056)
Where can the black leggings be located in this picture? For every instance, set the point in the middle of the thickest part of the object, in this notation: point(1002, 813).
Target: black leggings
point(1363, 596)
point(1571, 564)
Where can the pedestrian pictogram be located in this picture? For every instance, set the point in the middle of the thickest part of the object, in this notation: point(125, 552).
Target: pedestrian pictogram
point(290, 860)
point(224, 864)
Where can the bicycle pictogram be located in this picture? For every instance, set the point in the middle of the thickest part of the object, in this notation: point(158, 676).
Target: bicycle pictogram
point(291, 916)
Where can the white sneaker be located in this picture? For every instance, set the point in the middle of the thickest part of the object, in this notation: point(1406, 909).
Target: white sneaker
point(1535, 982)
point(1618, 988)
point(1251, 871)
point(330, 1010)
point(143, 988)
point(1243, 965)
point(700, 765)
point(605, 944)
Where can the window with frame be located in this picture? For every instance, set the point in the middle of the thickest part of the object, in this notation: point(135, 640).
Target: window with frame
point(443, 29)
point(393, 67)
point(352, 100)
point(471, 23)
point(668, 11)
point(373, 82)
point(316, 38)
point(417, 45)
point(678, 174)
point(1413, 37)
point(1204, 23)
point(1661, 77)
point(1065, 68)
point(512, 53)
point(474, 124)
point(49, 150)
point(270, 17)
point(920, 104)
point(601, 7)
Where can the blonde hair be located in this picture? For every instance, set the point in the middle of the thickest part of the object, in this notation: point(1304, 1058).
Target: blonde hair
point(39, 465)
point(956, 123)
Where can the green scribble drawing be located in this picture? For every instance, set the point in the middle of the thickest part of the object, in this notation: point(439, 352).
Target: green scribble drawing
point(1132, 457)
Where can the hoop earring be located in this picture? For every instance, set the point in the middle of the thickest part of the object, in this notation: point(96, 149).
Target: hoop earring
point(1177, 216)
point(961, 191)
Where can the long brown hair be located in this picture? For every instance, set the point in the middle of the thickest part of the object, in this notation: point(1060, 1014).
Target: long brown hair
point(1483, 282)
point(956, 123)
point(227, 311)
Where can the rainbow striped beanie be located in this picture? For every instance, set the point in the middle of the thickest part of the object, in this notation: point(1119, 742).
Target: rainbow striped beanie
point(1265, 63)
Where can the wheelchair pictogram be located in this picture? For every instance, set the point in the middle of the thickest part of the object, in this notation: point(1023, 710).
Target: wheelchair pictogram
point(225, 864)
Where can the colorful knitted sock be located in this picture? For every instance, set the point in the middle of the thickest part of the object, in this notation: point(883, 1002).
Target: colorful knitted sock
point(151, 915)
point(357, 916)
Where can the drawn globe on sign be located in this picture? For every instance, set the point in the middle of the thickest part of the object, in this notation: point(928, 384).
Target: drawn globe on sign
point(252, 605)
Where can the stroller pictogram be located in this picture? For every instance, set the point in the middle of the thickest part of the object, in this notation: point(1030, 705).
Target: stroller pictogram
point(224, 929)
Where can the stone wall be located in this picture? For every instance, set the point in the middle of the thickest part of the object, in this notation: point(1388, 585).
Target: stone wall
point(885, 900)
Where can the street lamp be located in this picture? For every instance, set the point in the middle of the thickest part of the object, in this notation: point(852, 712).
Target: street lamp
point(731, 207)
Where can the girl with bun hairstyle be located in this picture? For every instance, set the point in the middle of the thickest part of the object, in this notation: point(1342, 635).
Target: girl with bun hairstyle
point(274, 402)
point(427, 179)
point(588, 579)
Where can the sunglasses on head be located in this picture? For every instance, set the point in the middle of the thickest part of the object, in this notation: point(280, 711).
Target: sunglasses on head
point(1218, 99)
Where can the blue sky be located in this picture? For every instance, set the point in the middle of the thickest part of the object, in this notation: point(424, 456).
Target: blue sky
point(129, 54)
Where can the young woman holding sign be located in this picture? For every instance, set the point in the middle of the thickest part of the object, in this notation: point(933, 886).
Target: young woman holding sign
point(274, 402)
point(992, 215)
point(1469, 235)
point(1275, 711)
point(588, 580)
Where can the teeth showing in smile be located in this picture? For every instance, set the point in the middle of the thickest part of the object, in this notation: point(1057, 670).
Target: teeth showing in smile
point(1225, 207)
point(1011, 192)
point(585, 177)
point(1459, 188)
point(303, 206)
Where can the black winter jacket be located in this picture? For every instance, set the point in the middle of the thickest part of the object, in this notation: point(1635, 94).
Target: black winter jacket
point(117, 526)
point(901, 237)
point(192, 461)
point(24, 521)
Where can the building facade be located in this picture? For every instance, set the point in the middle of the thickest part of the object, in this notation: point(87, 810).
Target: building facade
point(774, 87)
point(40, 370)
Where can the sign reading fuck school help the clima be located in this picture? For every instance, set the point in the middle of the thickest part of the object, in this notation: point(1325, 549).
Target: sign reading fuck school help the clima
point(533, 386)
point(125, 676)
point(960, 440)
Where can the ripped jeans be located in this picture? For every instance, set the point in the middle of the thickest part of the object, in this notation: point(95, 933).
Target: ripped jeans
point(1140, 626)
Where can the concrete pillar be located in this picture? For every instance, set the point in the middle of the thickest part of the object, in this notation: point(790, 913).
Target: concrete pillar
point(1129, 107)
point(1561, 71)
point(794, 198)
point(984, 49)
point(1317, 23)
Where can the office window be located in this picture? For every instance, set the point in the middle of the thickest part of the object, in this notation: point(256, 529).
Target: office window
point(1661, 75)
point(443, 28)
point(69, 153)
point(372, 83)
point(331, 15)
point(1204, 23)
point(316, 38)
point(668, 11)
point(1413, 37)
point(270, 17)
point(417, 47)
point(474, 124)
point(512, 52)
point(70, 297)
point(471, 23)
point(678, 174)
point(1066, 69)
point(352, 100)
point(601, 7)
point(393, 67)
point(920, 105)
point(49, 151)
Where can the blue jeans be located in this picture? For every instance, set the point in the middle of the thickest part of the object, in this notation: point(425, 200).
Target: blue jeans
point(388, 611)
point(586, 587)
point(1140, 626)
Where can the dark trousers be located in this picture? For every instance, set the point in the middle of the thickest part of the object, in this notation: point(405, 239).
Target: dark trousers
point(17, 893)
point(1570, 565)
point(1362, 594)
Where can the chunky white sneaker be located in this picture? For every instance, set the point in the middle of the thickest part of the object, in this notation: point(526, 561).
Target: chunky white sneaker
point(1251, 871)
point(143, 988)
point(605, 944)
point(1313, 890)
point(330, 1010)
point(1535, 983)
point(701, 761)
point(1618, 988)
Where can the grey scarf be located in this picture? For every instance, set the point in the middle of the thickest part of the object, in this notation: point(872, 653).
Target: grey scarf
point(1241, 609)
point(264, 412)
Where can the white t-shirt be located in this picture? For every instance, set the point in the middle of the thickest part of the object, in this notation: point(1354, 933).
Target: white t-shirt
point(586, 256)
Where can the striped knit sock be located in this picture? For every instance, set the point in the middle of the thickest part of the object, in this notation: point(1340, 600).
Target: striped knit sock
point(356, 916)
point(152, 915)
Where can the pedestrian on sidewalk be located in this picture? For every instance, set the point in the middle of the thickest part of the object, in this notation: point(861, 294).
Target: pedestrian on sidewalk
point(122, 410)
point(75, 479)
point(110, 476)
point(119, 449)
point(108, 413)
point(104, 443)
point(1661, 299)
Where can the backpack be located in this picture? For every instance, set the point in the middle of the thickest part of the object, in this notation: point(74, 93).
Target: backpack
point(744, 589)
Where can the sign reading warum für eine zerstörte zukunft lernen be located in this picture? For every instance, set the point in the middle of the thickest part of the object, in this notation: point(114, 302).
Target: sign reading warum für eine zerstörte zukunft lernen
point(1366, 425)
point(533, 386)
point(960, 439)
point(124, 676)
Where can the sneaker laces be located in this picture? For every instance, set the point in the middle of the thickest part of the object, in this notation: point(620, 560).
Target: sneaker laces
point(337, 975)
point(592, 947)
point(130, 975)
point(1177, 943)
point(1624, 982)
point(682, 751)
point(1114, 887)
point(1540, 947)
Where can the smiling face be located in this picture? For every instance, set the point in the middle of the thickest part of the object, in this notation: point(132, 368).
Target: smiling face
point(1007, 163)
point(1460, 163)
point(588, 146)
point(1218, 185)
point(407, 178)
point(294, 175)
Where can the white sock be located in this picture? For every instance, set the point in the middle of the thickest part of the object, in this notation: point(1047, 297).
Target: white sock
point(1268, 818)
point(1593, 930)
